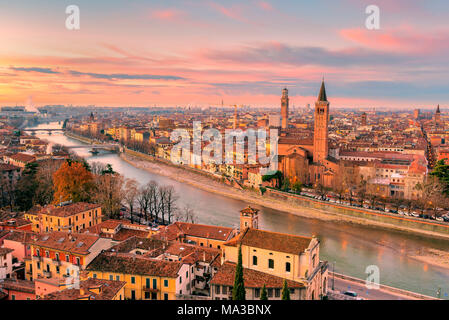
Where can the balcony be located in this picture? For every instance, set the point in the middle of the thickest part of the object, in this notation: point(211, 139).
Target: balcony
point(148, 289)
point(47, 274)
point(57, 262)
point(36, 258)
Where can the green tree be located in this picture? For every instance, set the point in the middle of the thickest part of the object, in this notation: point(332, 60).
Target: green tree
point(297, 186)
point(108, 170)
point(285, 291)
point(264, 294)
point(26, 187)
point(238, 291)
point(441, 171)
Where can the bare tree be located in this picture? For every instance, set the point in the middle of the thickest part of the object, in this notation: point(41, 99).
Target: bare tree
point(186, 214)
point(169, 199)
point(131, 193)
point(109, 193)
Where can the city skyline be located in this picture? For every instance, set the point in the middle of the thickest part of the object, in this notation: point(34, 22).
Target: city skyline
point(199, 53)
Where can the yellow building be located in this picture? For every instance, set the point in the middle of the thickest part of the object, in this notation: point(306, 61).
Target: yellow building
point(70, 217)
point(146, 278)
point(287, 256)
point(62, 255)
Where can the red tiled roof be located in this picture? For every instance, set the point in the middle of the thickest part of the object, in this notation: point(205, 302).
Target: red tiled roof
point(68, 210)
point(64, 241)
point(127, 264)
point(108, 289)
point(269, 240)
point(252, 278)
point(196, 230)
point(18, 285)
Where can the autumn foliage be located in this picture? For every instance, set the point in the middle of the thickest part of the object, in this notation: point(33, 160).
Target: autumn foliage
point(72, 181)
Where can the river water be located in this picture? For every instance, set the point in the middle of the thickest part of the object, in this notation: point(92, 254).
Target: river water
point(350, 247)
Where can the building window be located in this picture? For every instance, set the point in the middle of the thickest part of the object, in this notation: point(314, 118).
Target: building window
point(67, 258)
point(270, 292)
point(117, 278)
point(111, 277)
point(154, 284)
point(165, 296)
point(94, 276)
point(287, 267)
point(147, 295)
point(47, 254)
point(254, 261)
point(133, 280)
point(257, 292)
point(217, 289)
point(277, 293)
point(271, 263)
point(57, 256)
point(166, 283)
point(224, 290)
point(133, 295)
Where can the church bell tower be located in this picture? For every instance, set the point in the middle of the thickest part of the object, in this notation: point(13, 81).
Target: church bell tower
point(321, 130)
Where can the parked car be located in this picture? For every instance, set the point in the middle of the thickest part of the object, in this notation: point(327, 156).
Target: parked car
point(350, 293)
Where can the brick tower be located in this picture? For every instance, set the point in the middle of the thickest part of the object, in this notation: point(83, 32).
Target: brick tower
point(320, 133)
point(284, 109)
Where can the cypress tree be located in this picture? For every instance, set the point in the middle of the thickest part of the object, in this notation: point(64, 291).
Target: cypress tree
point(238, 291)
point(264, 294)
point(285, 291)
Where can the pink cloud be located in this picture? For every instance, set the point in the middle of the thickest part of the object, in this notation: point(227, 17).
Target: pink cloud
point(233, 12)
point(167, 14)
point(405, 40)
point(265, 5)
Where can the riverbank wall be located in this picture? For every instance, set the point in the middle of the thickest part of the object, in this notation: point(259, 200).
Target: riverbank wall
point(382, 287)
point(409, 223)
point(79, 138)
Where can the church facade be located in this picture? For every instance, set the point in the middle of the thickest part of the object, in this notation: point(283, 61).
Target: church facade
point(307, 160)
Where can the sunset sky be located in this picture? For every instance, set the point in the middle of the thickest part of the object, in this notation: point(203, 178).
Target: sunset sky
point(197, 52)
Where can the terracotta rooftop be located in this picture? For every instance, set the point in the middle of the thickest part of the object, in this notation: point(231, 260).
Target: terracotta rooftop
point(8, 167)
point(123, 230)
point(68, 210)
point(134, 242)
point(90, 289)
point(19, 236)
point(64, 241)
point(252, 278)
point(4, 251)
point(269, 240)
point(18, 285)
point(172, 231)
point(23, 157)
point(133, 264)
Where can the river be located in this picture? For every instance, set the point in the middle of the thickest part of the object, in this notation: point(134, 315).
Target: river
point(350, 247)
